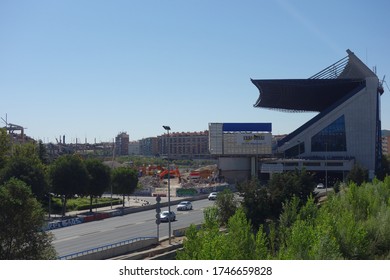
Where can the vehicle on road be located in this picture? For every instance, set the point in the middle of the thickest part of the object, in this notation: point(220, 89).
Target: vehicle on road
point(166, 216)
point(184, 205)
point(320, 186)
point(212, 196)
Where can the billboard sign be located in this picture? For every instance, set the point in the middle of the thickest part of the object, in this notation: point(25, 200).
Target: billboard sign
point(254, 139)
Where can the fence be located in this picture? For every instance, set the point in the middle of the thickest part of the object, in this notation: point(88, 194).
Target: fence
point(112, 250)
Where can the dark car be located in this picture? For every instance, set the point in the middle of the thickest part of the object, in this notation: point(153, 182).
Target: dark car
point(165, 216)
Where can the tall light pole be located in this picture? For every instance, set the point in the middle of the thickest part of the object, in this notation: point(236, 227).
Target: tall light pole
point(167, 128)
point(326, 168)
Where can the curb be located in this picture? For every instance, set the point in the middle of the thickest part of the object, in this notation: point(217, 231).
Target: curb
point(105, 214)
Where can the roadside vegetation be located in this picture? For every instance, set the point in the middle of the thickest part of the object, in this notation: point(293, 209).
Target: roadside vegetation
point(352, 224)
point(82, 203)
point(31, 186)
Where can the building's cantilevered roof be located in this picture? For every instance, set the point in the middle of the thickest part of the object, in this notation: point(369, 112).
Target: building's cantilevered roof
point(303, 94)
point(316, 93)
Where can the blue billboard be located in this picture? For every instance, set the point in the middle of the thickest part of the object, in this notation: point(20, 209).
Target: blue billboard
point(263, 127)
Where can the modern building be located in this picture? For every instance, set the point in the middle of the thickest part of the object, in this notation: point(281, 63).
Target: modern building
point(238, 147)
point(184, 145)
point(134, 148)
point(386, 143)
point(346, 131)
point(149, 146)
point(347, 128)
point(122, 144)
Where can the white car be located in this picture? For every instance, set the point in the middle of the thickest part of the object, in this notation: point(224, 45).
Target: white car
point(165, 216)
point(184, 205)
point(212, 196)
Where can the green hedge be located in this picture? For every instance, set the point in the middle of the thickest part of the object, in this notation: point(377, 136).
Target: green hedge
point(82, 203)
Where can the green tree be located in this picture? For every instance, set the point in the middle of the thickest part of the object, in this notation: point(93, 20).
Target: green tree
point(352, 224)
point(226, 205)
point(357, 175)
point(69, 177)
point(287, 218)
point(384, 168)
point(124, 181)
point(238, 242)
point(42, 152)
point(21, 223)
point(283, 186)
point(5, 146)
point(304, 236)
point(100, 178)
point(256, 202)
point(25, 165)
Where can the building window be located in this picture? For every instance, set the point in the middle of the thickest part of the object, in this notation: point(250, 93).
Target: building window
point(334, 164)
point(312, 164)
point(332, 138)
point(296, 150)
point(291, 163)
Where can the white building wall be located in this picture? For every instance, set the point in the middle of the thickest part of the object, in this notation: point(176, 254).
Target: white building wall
point(216, 138)
point(361, 125)
point(360, 122)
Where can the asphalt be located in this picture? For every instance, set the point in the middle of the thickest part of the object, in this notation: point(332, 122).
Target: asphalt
point(130, 202)
point(165, 247)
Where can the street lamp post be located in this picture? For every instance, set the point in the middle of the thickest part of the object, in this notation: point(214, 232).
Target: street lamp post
point(167, 128)
point(326, 168)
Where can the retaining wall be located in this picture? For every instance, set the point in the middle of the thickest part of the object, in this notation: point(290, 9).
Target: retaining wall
point(118, 251)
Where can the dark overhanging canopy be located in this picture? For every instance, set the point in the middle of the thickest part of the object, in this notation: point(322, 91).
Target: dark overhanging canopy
point(312, 95)
point(317, 93)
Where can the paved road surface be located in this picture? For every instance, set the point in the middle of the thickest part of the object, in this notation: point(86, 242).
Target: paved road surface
point(90, 235)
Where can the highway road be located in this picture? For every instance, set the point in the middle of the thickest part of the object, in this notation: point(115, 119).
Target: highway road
point(90, 235)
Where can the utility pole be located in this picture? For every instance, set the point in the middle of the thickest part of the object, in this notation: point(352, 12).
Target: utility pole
point(167, 128)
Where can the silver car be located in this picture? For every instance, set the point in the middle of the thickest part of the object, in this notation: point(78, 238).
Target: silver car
point(165, 216)
point(184, 205)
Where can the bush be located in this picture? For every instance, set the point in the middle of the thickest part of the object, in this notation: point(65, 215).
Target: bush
point(82, 203)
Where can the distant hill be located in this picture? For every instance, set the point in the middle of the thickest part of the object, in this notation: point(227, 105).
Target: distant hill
point(385, 132)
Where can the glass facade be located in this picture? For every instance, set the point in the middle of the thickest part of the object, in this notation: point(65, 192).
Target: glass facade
point(296, 150)
point(332, 138)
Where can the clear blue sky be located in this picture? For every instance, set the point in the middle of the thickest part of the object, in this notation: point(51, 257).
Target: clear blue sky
point(92, 69)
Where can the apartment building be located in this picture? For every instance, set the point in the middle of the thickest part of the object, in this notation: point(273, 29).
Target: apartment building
point(184, 145)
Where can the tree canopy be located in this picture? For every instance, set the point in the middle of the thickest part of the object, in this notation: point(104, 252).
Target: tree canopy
point(238, 243)
point(22, 220)
point(5, 146)
point(227, 205)
point(262, 202)
point(69, 177)
point(351, 224)
point(124, 181)
point(99, 178)
point(26, 166)
point(357, 175)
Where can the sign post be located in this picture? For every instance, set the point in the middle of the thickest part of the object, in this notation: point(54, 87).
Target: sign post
point(158, 210)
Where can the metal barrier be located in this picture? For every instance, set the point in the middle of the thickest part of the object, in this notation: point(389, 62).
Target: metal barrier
point(103, 248)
